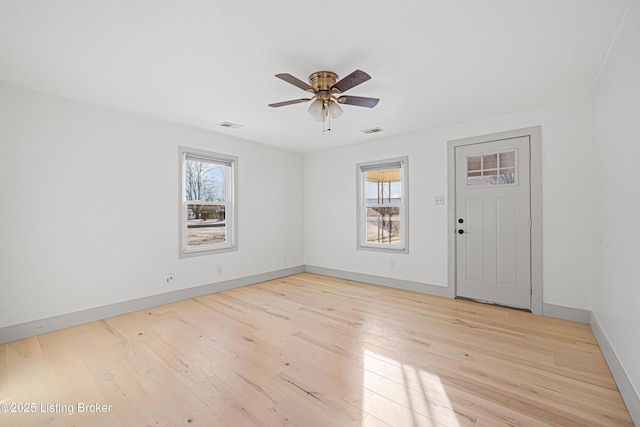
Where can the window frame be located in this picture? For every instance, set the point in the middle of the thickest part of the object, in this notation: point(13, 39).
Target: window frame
point(230, 203)
point(361, 210)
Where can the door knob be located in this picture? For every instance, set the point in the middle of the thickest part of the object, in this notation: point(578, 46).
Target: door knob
point(460, 231)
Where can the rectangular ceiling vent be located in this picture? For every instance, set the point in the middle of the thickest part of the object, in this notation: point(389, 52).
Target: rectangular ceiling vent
point(229, 125)
point(372, 130)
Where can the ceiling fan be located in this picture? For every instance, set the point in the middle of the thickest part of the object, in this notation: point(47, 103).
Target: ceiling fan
point(327, 90)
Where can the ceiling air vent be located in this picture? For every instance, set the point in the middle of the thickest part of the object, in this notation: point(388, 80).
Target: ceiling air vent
point(372, 130)
point(229, 125)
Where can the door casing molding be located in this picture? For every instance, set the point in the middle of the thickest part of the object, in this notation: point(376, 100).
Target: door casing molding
point(535, 137)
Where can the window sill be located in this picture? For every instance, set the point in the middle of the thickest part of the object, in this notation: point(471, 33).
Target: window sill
point(381, 248)
point(189, 253)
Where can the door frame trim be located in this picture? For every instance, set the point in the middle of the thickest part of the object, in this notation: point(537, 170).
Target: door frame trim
point(535, 137)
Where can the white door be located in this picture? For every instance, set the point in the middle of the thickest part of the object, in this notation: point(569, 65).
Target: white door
point(493, 222)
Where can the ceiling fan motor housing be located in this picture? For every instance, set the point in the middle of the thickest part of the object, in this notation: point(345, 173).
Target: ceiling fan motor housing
point(323, 80)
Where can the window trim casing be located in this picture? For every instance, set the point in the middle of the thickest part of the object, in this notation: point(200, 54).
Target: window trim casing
point(231, 189)
point(403, 248)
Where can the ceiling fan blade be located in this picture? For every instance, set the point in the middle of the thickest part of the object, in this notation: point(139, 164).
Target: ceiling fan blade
point(293, 101)
point(296, 82)
point(352, 80)
point(360, 101)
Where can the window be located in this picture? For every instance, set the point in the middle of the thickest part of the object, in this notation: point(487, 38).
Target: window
point(491, 169)
point(382, 205)
point(208, 208)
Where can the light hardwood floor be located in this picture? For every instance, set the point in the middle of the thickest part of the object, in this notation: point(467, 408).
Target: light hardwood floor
point(310, 350)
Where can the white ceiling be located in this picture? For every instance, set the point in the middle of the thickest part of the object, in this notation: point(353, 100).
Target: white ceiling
point(433, 62)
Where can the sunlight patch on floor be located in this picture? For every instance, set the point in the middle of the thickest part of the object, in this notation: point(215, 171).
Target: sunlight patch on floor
point(401, 394)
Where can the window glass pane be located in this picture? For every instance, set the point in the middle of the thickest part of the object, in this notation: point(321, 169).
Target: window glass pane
point(383, 187)
point(489, 161)
point(205, 181)
point(508, 159)
point(206, 224)
point(507, 176)
point(474, 163)
point(383, 225)
point(490, 177)
point(474, 179)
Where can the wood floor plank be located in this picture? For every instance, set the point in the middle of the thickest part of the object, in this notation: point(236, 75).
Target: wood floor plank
point(23, 349)
point(371, 421)
point(427, 399)
point(4, 386)
point(203, 346)
point(131, 404)
point(390, 411)
point(294, 412)
point(233, 407)
point(180, 404)
point(102, 420)
point(247, 381)
point(178, 362)
point(68, 368)
point(381, 372)
point(312, 350)
point(138, 324)
point(105, 332)
point(28, 381)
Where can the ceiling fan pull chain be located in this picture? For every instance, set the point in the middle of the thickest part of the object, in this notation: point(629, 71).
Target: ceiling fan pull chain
point(324, 117)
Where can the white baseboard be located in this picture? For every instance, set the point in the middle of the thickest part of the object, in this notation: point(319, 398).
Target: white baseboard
point(42, 326)
point(566, 313)
point(406, 285)
point(551, 310)
point(629, 394)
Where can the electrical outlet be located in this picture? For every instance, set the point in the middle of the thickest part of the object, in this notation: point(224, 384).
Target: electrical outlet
point(439, 200)
point(171, 277)
point(392, 265)
point(284, 258)
point(219, 270)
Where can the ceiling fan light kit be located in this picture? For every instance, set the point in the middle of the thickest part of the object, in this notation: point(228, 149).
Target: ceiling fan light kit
point(316, 110)
point(325, 86)
point(335, 110)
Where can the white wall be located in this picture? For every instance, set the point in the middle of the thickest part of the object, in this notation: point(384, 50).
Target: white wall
point(89, 207)
point(330, 202)
point(616, 182)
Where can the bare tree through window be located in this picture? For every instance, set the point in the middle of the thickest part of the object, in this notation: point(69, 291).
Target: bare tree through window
point(206, 203)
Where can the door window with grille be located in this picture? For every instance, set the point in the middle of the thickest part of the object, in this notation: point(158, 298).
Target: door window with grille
point(491, 169)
